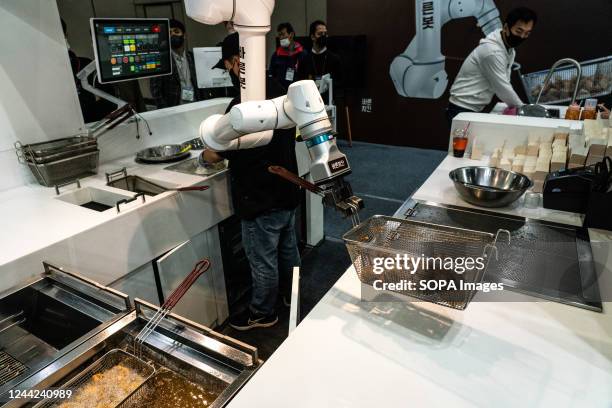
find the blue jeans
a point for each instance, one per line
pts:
(271, 247)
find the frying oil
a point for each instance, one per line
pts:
(173, 390)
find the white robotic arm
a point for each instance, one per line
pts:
(301, 107)
(419, 71)
(245, 125)
(250, 123)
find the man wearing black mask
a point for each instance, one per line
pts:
(181, 86)
(321, 61)
(486, 71)
(266, 205)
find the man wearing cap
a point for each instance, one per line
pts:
(266, 205)
(181, 86)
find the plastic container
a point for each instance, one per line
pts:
(460, 142)
(573, 112)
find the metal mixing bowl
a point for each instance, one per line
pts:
(163, 154)
(489, 186)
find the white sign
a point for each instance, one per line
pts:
(208, 77)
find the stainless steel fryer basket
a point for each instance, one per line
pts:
(109, 360)
(69, 169)
(135, 399)
(384, 237)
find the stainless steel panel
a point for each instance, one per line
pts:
(177, 344)
(46, 317)
(547, 260)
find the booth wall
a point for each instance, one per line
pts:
(565, 29)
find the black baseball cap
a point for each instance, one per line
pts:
(229, 47)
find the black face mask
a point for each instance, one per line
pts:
(177, 41)
(513, 40)
(322, 41)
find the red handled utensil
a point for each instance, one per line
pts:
(176, 295)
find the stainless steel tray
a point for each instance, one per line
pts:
(544, 259)
(387, 237)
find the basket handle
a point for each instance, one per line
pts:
(493, 246)
(552, 70)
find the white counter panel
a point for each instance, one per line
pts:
(505, 350)
(105, 245)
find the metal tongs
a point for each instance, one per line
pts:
(201, 267)
(340, 197)
(112, 120)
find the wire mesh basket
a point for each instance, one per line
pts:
(596, 81)
(88, 392)
(68, 169)
(382, 237)
(167, 388)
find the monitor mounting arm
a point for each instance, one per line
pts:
(82, 76)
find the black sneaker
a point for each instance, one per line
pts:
(248, 320)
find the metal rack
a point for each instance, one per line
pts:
(60, 160)
(596, 81)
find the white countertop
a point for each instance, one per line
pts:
(517, 352)
(439, 188)
(34, 219)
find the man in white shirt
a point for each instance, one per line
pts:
(486, 71)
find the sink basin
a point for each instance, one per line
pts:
(137, 184)
(191, 167)
(93, 198)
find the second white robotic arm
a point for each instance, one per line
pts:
(419, 72)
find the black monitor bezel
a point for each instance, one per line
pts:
(94, 20)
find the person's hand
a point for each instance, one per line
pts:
(604, 112)
(209, 156)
